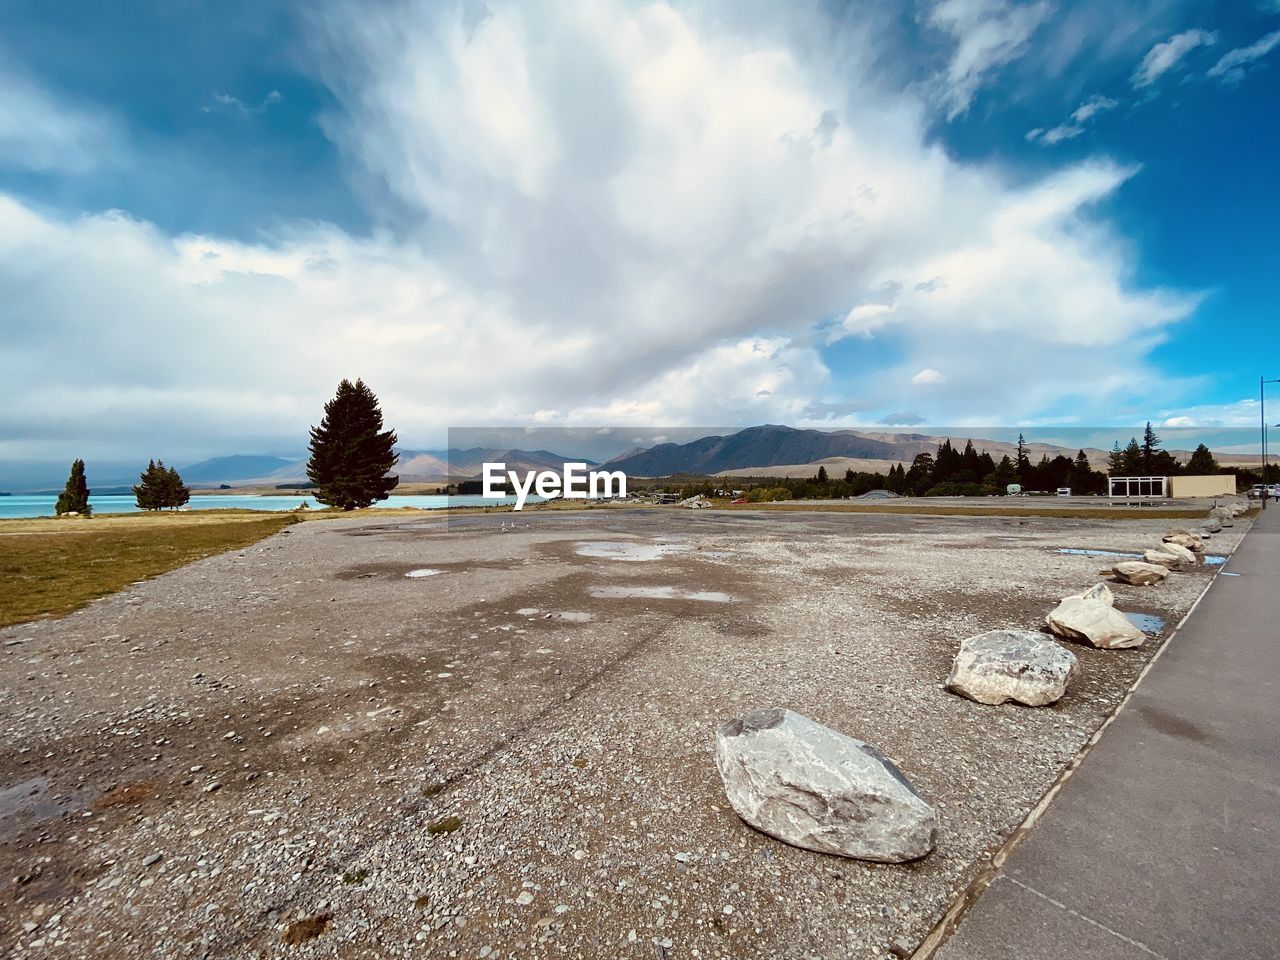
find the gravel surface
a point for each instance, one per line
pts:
(300, 750)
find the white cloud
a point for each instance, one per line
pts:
(1167, 54)
(602, 213)
(1241, 414)
(1092, 107)
(988, 35)
(1076, 125)
(1235, 63)
(928, 375)
(42, 132)
(226, 103)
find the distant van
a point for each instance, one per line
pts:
(1064, 491)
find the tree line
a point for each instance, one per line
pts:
(950, 473)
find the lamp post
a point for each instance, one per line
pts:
(1262, 419)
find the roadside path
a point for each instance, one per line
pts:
(1165, 843)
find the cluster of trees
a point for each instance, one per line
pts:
(160, 488)
(947, 473)
(1147, 459)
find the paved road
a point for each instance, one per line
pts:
(1166, 842)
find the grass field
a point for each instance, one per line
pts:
(51, 567)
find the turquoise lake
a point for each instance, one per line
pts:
(42, 506)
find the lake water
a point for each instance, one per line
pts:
(42, 506)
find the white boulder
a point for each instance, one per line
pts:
(1212, 525)
(1225, 515)
(1166, 558)
(1139, 573)
(1185, 538)
(812, 787)
(1091, 618)
(1016, 665)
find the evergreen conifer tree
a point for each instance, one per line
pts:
(149, 491)
(176, 493)
(75, 497)
(1022, 463)
(1150, 444)
(1202, 462)
(1115, 460)
(350, 452)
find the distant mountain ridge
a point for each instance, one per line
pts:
(767, 445)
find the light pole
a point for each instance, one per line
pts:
(1262, 419)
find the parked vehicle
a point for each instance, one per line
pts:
(1064, 491)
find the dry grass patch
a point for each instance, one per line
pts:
(49, 568)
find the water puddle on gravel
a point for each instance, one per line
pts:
(623, 550)
(1098, 553)
(424, 572)
(1210, 560)
(660, 593)
(1146, 622)
(25, 801)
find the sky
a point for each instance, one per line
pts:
(976, 213)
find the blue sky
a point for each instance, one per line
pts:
(965, 212)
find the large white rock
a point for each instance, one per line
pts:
(812, 787)
(1164, 558)
(1090, 618)
(1016, 665)
(1212, 525)
(1139, 573)
(1185, 538)
(1225, 516)
(1185, 555)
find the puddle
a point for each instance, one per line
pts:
(573, 616)
(623, 550)
(1209, 560)
(660, 593)
(1098, 553)
(25, 801)
(1146, 622)
(424, 572)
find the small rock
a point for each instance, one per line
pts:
(151, 859)
(524, 898)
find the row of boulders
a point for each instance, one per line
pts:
(815, 788)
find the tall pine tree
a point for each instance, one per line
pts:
(350, 452)
(149, 490)
(1202, 462)
(75, 497)
(1022, 463)
(176, 493)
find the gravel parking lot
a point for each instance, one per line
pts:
(300, 750)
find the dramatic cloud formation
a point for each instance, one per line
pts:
(1234, 63)
(596, 213)
(1166, 55)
